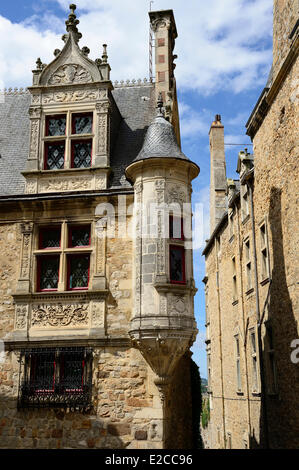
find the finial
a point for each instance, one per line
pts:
(104, 56)
(39, 64)
(85, 51)
(160, 111)
(72, 22)
(218, 118)
(56, 52)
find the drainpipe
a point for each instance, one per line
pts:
(259, 323)
(244, 330)
(220, 342)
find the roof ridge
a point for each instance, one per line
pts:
(133, 82)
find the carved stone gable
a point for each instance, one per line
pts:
(70, 73)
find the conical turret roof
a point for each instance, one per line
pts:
(160, 140)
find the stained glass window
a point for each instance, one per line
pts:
(48, 272)
(79, 236)
(82, 123)
(81, 154)
(55, 155)
(49, 237)
(78, 272)
(56, 125)
(177, 264)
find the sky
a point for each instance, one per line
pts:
(224, 50)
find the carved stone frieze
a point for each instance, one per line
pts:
(68, 96)
(59, 315)
(65, 184)
(177, 195)
(70, 73)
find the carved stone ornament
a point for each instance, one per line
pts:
(35, 112)
(175, 194)
(178, 304)
(70, 73)
(27, 227)
(21, 317)
(59, 315)
(161, 23)
(66, 184)
(103, 107)
(68, 96)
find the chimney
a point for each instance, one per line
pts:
(164, 28)
(218, 173)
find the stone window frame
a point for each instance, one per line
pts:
(68, 138)
(264, 251)
(239, 387)
(234, 281)
(248, 264)
(231, 225)
(177, 243)
(254, 367)
(64, 251)
(244, 203)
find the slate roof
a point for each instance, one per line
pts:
(160, 141)
(137, 108)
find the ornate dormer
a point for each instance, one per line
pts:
(70, 119)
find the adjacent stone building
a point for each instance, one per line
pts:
(251, 281)
(96, 321)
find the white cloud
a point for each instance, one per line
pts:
(219, 43)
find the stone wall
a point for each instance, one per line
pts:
(276, 197)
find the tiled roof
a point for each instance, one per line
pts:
(136, 105)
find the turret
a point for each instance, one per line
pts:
(163, 325)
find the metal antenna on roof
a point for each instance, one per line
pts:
(151, 39)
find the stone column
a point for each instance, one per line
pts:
(24, 278)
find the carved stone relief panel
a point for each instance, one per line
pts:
(98, 314)
(21, 317)
(70, 96)
(176, 195)
(65, 183)
(26, 229)
(59, 315)
(160, 198)
(31, 186)
(70, 73)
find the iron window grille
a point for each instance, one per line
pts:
(55, 377)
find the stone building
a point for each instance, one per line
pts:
(252, 264)
(96, 323)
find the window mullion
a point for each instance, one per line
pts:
(62, 267)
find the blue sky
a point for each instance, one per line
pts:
(224, 50)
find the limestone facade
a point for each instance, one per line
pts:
(251, 270)
(94, 340)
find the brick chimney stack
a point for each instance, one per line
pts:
(218, 173)
(164, 28)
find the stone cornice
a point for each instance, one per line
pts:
(268, 94)
(15, 344)
(60, 296)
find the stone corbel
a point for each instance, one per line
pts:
(24, 278)
(102, 134)
(35, 119)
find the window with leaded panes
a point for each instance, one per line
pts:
(79, 235)
(68, 141)
(48, 273)
(70, 246)
(78, 271)
(177, 264)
